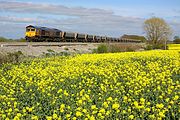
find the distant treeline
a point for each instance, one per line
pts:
(3, 39)
(176, 40)
(135, 37)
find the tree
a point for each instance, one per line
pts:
(176, 40)
(157, 31)
(176, 37)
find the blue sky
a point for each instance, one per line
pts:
(101, 17)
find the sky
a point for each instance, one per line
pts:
(100, 17)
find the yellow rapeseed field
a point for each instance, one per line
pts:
(174, 46)
(132, 85)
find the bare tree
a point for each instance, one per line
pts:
(157, 30)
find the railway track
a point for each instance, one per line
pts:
(37, 44)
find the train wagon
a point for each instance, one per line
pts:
(81, 37)
(90, 38)
(69, 36)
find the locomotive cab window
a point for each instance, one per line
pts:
(32, 29)
(28, 30)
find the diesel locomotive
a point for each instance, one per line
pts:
(44, 34)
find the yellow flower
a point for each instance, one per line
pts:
(108, 113)
(80, 101)
(115, 106)
(102, 110)
(125, 98)
(148, 103)
(16, 118)
(34, 117)
(10, 110)
(109, 99)
(78, 114)
(142, 100)
(24, 110)
(62, 106)
(66, 93)
(160, 106)
(99, 114)
(131, 117)
(30, 109)
(55, 116)
(61, 110)
(84, 111)
(152, 116)
(161, 114)
(68, 115)
(136, 104)
(48, 117)
(93, 107)
(176, 97)
(74, 118)
(18, 114)
(105, 104)
(59, 91)
(171, 102)
(148, 109)
(167, 99)
(124, 112)
(92, 118)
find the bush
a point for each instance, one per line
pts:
(160, 46)
(157, 46)
(21, 40)
(129, 49)
(14, 57)
(176, 41)
(114, 48)
(51, 51)
(149, 47)
(102, 49)
(66, 48)
(2, 39)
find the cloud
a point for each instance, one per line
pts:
(50, 9)
(75, 19)
(18, 20)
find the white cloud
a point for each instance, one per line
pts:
(26, 7)
(76, 19)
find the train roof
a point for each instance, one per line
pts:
(43, 28)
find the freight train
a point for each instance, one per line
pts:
(44, 34)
